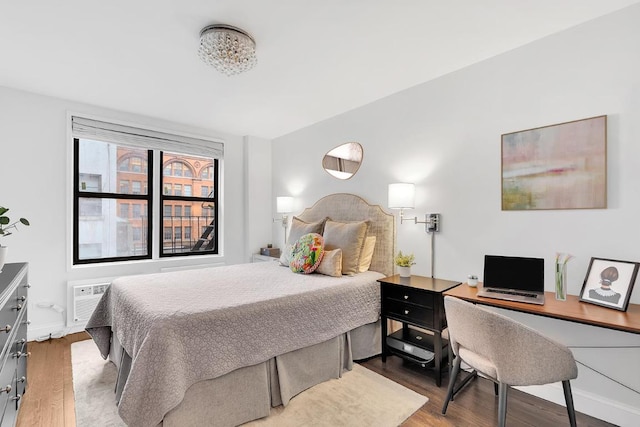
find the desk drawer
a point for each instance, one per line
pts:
(414, 296)
(413, 313)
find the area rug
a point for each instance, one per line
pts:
(360, 398)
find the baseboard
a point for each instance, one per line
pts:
(589, 403)
(53, 330)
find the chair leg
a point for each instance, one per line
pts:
(452, 382)
(503, 389)
(568, 397)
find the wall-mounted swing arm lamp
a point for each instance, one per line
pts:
(284, 206)
(402, 196)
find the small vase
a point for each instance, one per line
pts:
(3, 256)
(561, 282)
(404, 271)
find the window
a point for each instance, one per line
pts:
(109, 235)
(132, 163)
(197, 212)
(115, 205)
(178, 168)
(124, 210)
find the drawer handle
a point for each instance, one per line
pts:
(22, 341)
(27, 322)
(6, 328)
(19, 354)
(21, 380)
(17, 397)
(406, 312)
(22, 299)
(28, 285)
(406, 297)
(7, 389)
(17, 307)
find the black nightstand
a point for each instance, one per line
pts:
(416, 301)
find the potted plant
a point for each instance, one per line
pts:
(6, 229)
(404, 263)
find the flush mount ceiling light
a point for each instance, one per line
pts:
(228, 49)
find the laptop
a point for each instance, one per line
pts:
(513, 279)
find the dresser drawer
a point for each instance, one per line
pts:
(410, 295)
(8, 317)
(7, 375)
(419, 315)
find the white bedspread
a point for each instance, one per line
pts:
(187, 326)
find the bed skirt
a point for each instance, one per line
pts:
(248, 393)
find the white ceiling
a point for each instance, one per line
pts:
(316, 58)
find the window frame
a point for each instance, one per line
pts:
(215, 189)
(77, 195)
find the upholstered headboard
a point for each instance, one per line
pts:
(349, 207)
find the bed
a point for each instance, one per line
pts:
(221, 346)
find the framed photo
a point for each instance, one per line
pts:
(562, 166)
(609, 283)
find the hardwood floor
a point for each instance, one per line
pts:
(49, 397)
(48, 401)
(476, 405)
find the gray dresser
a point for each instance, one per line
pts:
(13, 340)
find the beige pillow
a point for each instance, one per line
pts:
(331, 264)
(299, 228)
(349, 237)
(367, 253)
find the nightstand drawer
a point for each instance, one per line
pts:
(421, 316)
(413, 296)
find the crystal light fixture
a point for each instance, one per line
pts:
(228, 49)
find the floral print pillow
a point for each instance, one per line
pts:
(307, 253)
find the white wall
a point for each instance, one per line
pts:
(258, 198)
(444, 136)
(34, 183)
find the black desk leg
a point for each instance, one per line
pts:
(437, 351)
(383, 324)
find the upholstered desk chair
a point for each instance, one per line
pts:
(506, 351)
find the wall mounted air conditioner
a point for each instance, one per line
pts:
(84, 299)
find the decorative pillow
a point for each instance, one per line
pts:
(367, 253)
(299, 228)
(307, 253)
(285, 256)
(349, 237)
(331, 264)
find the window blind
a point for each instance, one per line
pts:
(144, 138)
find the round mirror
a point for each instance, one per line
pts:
(343, 161)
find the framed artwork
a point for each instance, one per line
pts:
(561, 166)
(609, 283)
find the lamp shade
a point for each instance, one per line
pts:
(401, 195)
(284, 204)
